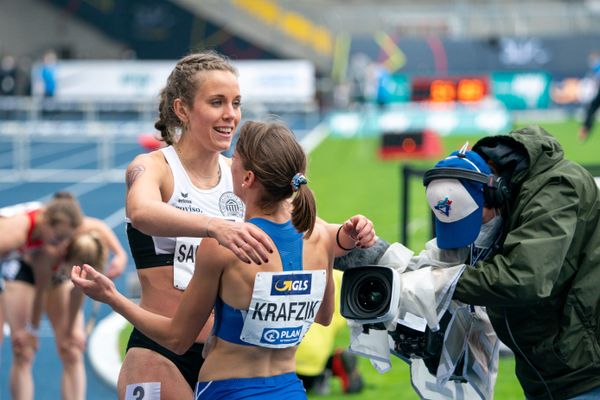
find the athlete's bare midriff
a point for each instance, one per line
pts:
(230, 360)
(160, 297)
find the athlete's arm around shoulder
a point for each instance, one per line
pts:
(146, 177)
(324, 243)
(356, 231)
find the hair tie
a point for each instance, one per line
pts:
(298, 180)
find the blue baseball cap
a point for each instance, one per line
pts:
(457, 203)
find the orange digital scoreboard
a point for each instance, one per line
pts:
(466, 89)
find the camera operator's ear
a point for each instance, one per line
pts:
(496, 195)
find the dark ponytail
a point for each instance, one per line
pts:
(304, 213)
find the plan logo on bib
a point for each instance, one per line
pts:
(281, 335)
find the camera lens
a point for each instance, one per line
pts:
(370, 294)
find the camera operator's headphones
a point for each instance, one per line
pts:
(495, 191)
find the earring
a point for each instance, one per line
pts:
(243, 185)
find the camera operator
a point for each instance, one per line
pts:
(468, 228)
(402, 304)
(539, 283)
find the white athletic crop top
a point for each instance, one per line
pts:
(219, 201)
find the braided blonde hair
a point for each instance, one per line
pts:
(182, 84)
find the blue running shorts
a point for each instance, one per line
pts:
(280, 387)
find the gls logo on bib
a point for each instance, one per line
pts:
(283, 285)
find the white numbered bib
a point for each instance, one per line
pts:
(143, 391)
(184, 261)
(9, 268)
(283, 307)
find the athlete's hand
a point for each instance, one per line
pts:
(361, 229)
(245, 240)
(93, 283)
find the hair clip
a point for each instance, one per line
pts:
(298, 180)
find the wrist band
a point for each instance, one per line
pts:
(337, 239)
(29, 328)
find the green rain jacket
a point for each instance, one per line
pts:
(542, 287)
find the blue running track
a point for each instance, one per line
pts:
(101, 200)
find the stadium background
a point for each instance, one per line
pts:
(362, 73)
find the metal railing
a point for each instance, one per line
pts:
(54, 140)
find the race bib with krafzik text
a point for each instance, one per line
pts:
(283, 307)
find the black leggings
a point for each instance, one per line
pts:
(17, 270)
(21, 271)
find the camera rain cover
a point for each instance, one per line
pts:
(468, 365)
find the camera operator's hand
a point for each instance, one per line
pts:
(358, 231)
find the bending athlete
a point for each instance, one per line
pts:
(30, 243)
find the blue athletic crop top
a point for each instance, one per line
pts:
(228, 320)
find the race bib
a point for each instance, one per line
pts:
(283, 307)
(10, 268)
(143, 391)
(184, 261)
